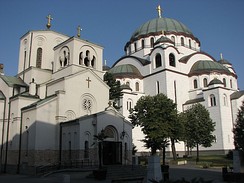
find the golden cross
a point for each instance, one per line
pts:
(159, 11)
(49, 18)
(88, 82)
(78, 31)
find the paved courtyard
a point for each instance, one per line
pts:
(176, 172)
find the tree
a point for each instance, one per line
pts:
(198, 127)
(115, 89)
(100, 138)
(239, 129)
(156, 115)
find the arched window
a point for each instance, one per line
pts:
(142, 43)
(86, 149)
(157, 87)
(171, 59)
(81, 58)
(127, 83)
(152, 42)
(135, 46)
(129, 104)
(224, 82)
(39, 57)
(182, 41)
(173, 39)
(195, 84)
(225, 100)
(231, 83)
(205, 82)
(158, 60)
(189, 43)
(111, 133)
(212, 100)
(93, 61)
(137, 86)
(87, 59)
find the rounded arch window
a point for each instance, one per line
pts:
(111, 133)
(152, 42)
(205, 82)
(142, 43)
(195, 85)
(171, 59)
(137, 86)
(182, 41)
(212, 100)
(224, 82)
(173, 39)
(39, 57)
(158, 60)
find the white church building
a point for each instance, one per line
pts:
(163, 56)
(51, 110)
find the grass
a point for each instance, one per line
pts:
(207, 161)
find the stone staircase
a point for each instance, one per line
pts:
(123, 172)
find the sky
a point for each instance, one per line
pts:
(218, 24)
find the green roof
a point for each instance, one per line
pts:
(159, 25)
(224, 61)
(11, 80)
(126, 70)
(237, 95)
(163, 39)
(207, 66)
(193, 101)
(215, 81)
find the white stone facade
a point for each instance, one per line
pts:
(56, 103)
(168, 59)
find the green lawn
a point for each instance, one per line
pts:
(207, 161)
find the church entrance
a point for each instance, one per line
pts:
(112, 153)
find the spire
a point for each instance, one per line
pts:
(49, 18)
(79, 29)
(159, 11)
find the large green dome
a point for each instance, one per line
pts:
(158, 25)
(206, 67)
(126, 70)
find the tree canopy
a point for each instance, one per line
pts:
(239, 129)
(115, 89)
(198, 127)
(156, 115)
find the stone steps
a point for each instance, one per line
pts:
(125, 172)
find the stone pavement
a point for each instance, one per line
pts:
(175, 172)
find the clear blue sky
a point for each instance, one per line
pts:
(218, 24)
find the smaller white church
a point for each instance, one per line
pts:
(51, 110)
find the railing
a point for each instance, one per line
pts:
(76, 164)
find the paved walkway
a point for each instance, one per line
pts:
(175, 172)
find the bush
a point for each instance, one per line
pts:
(230, 155)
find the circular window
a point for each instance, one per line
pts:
(87, 104)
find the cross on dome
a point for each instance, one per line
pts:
(159, 11)
(49, 18)
(79, 29)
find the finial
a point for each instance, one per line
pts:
(159, 11)
(78, 31)
(49, 18)
(221, 56)
(105, 62)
